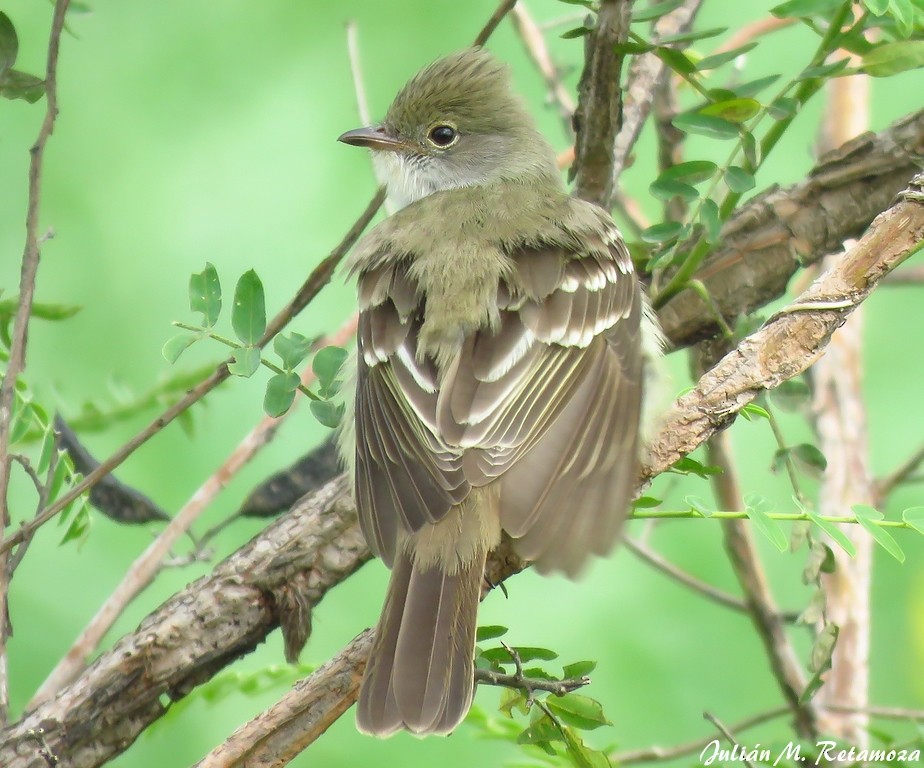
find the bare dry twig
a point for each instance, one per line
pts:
(17, 359)
(533, 40)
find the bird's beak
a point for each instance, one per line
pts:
(372, 137)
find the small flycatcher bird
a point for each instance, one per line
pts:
(498, 382)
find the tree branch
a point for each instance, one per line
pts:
(598, 117)
(775, 234)
(17, 358)
(282, 574)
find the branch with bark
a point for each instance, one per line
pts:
(279, 577)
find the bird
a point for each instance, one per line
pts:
(498, 377)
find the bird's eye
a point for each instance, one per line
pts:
(443, 136)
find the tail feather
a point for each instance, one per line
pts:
(420, 675)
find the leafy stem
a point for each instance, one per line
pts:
(235, 345)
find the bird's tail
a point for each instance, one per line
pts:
(420, 674)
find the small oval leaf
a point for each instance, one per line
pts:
(248, 316)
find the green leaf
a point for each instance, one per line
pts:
(489, 632)
(903, 14)
(710, 218)
(706, 125)
(9, 43)
(877, 7)
(738, 180)
(177, 345)
(783, 108)
(632, 48)
(64, 468)
(866, 516)
(205, 294)
(248, 316)
(571, 34)
(806, 8)
(526, 654)
(542, 731)
(511, 699)
(753, 87)
(280, 392)
(676, 60)
(49, 441)
(79, 527)
(718, 59)
(820, 662)
(326, 366)
(656, 11)
(578, 711)
(698, 505)
(751, 149)
(690, 466)
(834, 532)
(578, 669)
(646, 502)
(292, 348)
(327, 412)
(734, 110)
(809, 459)
(662, 233)
(582, 756)
(689, 37)
(15, 84)
(914, 516)
(246, 362)
(756, 509)
(691, 172)
(823, 70)
(753, 411)
(667, 189)
(891, 58)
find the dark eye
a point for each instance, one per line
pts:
(443, 135)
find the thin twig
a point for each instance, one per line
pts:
(311, 287)
(889, 483)
(496, 18)
(659, 754)
(538, 51)
(749, 32)
(359, 88)
(17, 358)
(529, 684)
(730, 736)
(667, 567)
(146, 567)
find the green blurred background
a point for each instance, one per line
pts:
(193, 131)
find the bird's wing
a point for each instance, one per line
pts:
(549, 399)
(550, 402)
(405, 475)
